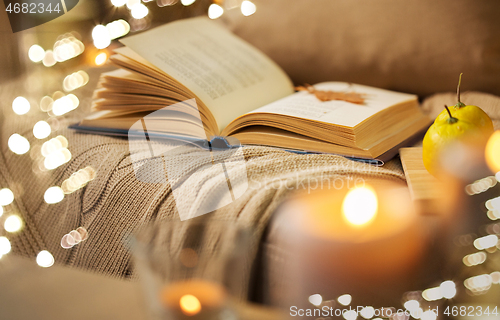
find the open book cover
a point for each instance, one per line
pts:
(239, 92)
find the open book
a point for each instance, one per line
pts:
(241, 93)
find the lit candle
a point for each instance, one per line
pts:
(366, 240)
(194, 299)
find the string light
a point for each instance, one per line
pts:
(46, 104)
(55, 152)
(5, 246)
(215, 11)
(345, 299)
(132, 3)
(448, 289)
(41, 130)
(474, 259)
(36, 53)
(118, 28)
(478, 284)
(78, 180)
(101, 58)
(74, 237)
(45, 259)
(187, 2)
(248, 8)
(139, 11)
(67, 48)
(367, 312)
(48, 59)
(486, 242)
(164, 3)
(432, 294)
(118, 3)
(101, 37)
(6, 197)
(316, 299)
(13, 223)
(75, 80)
(21, 105)
(53, 195)
(65, 104)
(18, 144)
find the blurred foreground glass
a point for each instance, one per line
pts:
(192, 270)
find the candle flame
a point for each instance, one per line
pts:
(360, 206)
(190, 305)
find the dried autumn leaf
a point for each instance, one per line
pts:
(322, 95)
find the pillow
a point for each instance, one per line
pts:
(411, 46)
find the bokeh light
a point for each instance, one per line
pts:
(215, 11)
(118, 3)
(315, 299)
(75, 80)
(474, 259)
(367, 312)
(36, 53)
(5, 246)
(139, 11)
(350, 315)
(13, 223)
(428, 315)
(48, 59)
(53, 195)
(132, 3)
(432, 294)
(360, 206)
(448, 289)
(21, 105)
(118, 28)
(248, 8)
(78, 180)
(486, 242)
(6, 197)
(101, 36)
(18, 144)
(46, 104)
(492, 152)
(345, 299)
(187, 2)
(55, 152)
(45, 259)
(101, 58)
(479, 284)
(65, 104)
(164, 3)
(41, 130)
(67, 48)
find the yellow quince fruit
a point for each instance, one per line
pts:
(470, 113)
(445, 131)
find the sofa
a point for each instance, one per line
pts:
(415, 47)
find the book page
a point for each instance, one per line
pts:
(342, 113)
(229, 75)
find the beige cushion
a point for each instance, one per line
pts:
(411, 46)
